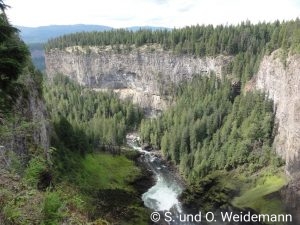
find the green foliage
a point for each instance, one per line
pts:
(86, 119)
(119, 204)
(105, 171)
(34, 170)
(209, 129)
(13, 58)
(212, 192)
(52, 208)
(261, 192)
(256, 196)
(12, 214)
(20, 207)
(104, 182)
(15, 162)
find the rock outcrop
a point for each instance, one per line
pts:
(39, 116)
(281, 82)
(28, 133)
(280, 79)
(32, 108)
(145, 74)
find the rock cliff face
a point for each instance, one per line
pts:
(38, 114)
(28, 132)
(32, 107)
(144, 74)
(282, 84)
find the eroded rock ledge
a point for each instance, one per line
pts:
(146, 74)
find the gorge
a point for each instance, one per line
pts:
(147, 78)
(149, 125)
(149, 74)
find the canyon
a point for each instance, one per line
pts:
(148, 74)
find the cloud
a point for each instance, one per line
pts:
(167, 13)
(159, 2)
(186, 8)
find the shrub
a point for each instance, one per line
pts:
(36, 167)
(52, 208)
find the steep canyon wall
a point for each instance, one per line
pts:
(280, 79)
(145, 74)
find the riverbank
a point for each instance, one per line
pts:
(111, 185)
(235, 190)
(174, 170)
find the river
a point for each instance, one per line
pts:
(162, 198)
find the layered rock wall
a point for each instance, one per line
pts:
(280, 79)
(145, 74)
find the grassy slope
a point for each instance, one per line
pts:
(257, 195)
(113, 197)
(107, 171)
(103, 193)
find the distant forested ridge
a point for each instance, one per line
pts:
(199, 40)
(42, 34)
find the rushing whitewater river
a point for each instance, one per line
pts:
(162, 198)
(163, 195)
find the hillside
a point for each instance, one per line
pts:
(44, 33)
(53, 169)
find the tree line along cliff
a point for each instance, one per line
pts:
(246, 41)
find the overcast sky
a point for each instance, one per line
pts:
(166, 13)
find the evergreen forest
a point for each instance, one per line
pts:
(247, 42)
